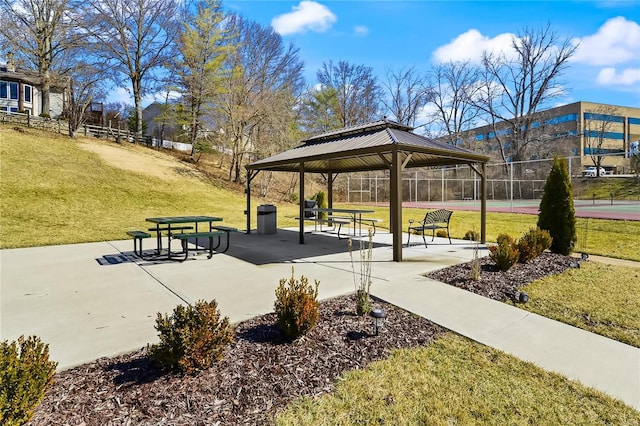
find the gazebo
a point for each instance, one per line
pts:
(379, 145)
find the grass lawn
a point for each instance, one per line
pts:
(599, 298)
(457, 381)
(55, 192)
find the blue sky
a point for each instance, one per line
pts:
(395, 34)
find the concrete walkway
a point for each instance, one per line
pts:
(96, 300)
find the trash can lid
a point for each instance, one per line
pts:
(267, 208)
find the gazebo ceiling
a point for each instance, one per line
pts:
(364, 148)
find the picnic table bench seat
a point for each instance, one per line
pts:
(185, 236)
(366, 220)
(138, 236)
(433, 220)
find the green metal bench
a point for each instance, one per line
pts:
(433, 220)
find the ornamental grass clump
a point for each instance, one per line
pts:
(25, 375)
(505, 254)
(533, 244)
(192, 338)
(362, 279)
(296, 305)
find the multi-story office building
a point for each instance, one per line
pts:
(592, 132)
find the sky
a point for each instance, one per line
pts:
(393, 35)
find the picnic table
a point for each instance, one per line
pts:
(342, 216)
(184, 229)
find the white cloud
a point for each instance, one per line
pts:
(308, 15)
(361, 30)
(617, 41)
(470, 46)
(120, 95)
(627, 77)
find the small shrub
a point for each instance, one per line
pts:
(296, 306)
(442, 233)
(471, 236)
(533, 244)
(45, 115)
(192, 338)
(362, 280)
(25, 375)
(505, 254)
(475, 264)
(321, 203)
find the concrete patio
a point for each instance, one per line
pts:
(96, 300)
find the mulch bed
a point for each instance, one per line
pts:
(261, 372)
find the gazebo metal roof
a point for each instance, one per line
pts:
(379, 145)
(364, 148)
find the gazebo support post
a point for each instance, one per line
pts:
(395, 214)
(301, 210)
(248, 211)
(330, 190)
(483, 203)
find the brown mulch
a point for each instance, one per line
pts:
(261, 372)
(499, 285)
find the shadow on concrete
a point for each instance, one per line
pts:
(284, 246)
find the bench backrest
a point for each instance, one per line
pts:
(438, 216)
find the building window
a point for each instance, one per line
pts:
(27, 93)
(594, 134)
(603, 117)
(13, 91)
(562, 119)
(3, 109)
(3, 90)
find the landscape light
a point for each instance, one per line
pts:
(378, 316)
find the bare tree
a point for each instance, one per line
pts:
(408, 93)
(517, 84)
(598, 128)
(38, 32)
(357, 91)
(257, 106)
(135, 37)
(84, 87)
(455, 86)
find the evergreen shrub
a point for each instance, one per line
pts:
(533, 243)
(442, 233)
(296, 306)
(192, 338)
(25, 375)
(505, 254)
(557, 214)
(471, 235)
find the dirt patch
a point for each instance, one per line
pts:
(141, 160)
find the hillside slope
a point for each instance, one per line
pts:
(56, 190)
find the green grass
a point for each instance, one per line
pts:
(55, 192)
(456, 381)
(596, 297)
(602, 188)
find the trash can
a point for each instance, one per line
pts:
(267, 219)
